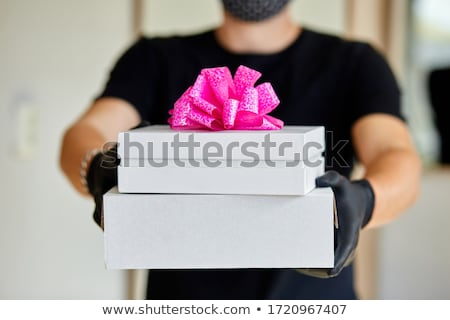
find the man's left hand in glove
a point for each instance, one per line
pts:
(354, 204)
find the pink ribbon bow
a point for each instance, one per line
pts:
(217, 101)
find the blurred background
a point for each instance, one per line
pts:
(55, 58)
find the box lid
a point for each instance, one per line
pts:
(162, 142)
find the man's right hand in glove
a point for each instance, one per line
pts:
(102, 175)
(90, 173)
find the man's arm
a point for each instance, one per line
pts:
(100, 124)
(393, 168)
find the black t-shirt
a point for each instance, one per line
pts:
(320, 80)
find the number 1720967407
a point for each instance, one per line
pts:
(306, 309)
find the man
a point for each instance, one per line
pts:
(320, 79)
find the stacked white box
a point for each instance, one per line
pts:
(186, 199)
(157, 159)
(171, 231)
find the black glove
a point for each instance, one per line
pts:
(355, 201)
(102, 175)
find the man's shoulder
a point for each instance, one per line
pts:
(330, 40)
(340, 51)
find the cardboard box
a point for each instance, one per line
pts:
(168, 231)
(157, 159)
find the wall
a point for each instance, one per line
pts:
(429, 48)
(55, 57)
(160, 17)
(414, 250)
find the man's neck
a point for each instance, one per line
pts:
(269, 36)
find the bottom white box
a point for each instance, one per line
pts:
(174, 231)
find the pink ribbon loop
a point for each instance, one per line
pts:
(243, 78)
(217, 101)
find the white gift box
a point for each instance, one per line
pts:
(157, 159)
(168, 231)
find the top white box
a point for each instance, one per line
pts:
(162, 142)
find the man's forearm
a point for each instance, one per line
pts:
(395, 178)
(78, 141)
(100, 124)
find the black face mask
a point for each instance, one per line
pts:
(254, 10)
